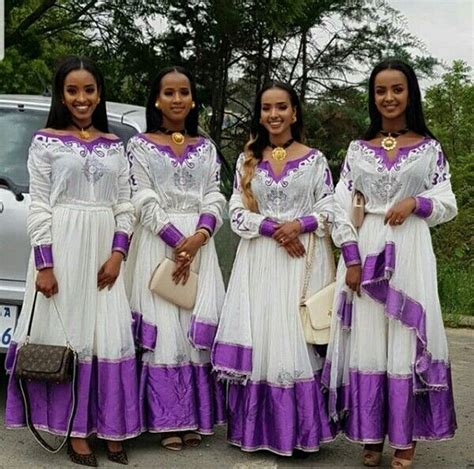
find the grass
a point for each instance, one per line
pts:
(456, 290)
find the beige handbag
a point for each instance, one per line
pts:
(358, 209)
(161, 283)
(316, 311)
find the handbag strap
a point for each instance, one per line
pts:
(30, 324)
(308, 266)
(26, 401)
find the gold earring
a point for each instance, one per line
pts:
(98, 100)
(193, 105)
(157, 105)
(293, 120)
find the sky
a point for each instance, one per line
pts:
(445, 26)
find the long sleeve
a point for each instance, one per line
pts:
(244, 222)
(344, 234)
(437, 203)
(40, 213)
(322, 213)
(124, 211)
(213, 203)
(147, 205)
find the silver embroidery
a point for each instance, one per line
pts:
(93, 170)
(386, 186)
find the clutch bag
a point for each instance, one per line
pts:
(161, 283)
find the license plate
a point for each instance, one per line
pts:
(8, 316)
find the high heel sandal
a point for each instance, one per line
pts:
(82, 459)
(398, 463)
(119, 457)
(371, 458)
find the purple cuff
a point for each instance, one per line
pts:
(171, 235)
(308, 224)
(120, 242)
(208, 222)
(350, 253)
(423, 207)
(44, 256)
(267, 227)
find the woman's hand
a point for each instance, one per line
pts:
(190, 246)
(109, 272)
(287, 232)
(400, 211)
(294, 248)
(353, 278)
(46, 283)
(182, 271)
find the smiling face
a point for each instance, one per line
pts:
(276, 112)
(391, 96)
(175, 99)
(81, 96)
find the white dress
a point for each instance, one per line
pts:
(174, 196)
(80, 211)
(274, 399)
(387, 365)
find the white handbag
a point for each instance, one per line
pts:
(358, 209)
(316, 311)
(162, 284)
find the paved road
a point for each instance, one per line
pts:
(18, 450)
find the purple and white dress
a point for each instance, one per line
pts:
(274, 399)
(387, 365)
(80, 212)
(173, 197)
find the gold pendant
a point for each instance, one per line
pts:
(177, 138)
(84, 134)
(279, 153)
(389, 143)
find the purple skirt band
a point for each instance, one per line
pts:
(277, 418)
(201, 334)
(232, 358)
(107, 401)
(144, 333)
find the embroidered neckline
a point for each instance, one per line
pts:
(190, 147)
(265, 165)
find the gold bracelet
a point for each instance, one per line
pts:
(205, 233)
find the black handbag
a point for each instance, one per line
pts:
(50, 364)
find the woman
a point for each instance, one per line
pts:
(388, 367)
(283, 192)
(175, 183)
(79, 223)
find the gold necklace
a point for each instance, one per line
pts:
(389, 142)
(279, 152)
(83, 133)
(177, 136)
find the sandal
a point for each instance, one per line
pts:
(403, 462)
(371, 458)
(173, 443)
(192, 439)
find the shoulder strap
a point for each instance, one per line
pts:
(308, 266)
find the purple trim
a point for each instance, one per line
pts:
(43, 256)
(379, 404)
(201, 334)
(344, 311)
(232, 358)
(267, 227)
(171, 235)
(381, 154)
(308, 223)
(289, 165)
(120, 242)
(144, 333)
(278, 419)
(169, 151)
(89, 144)
(207, 221)
(176, 398)
(376, 274)
(350, 253)
(107, 402)
(423, 207)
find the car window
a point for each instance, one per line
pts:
(123, 131)
(16, 128)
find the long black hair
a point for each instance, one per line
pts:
(259, 134)
(154, 116)
(414, 111)
(59, 116)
